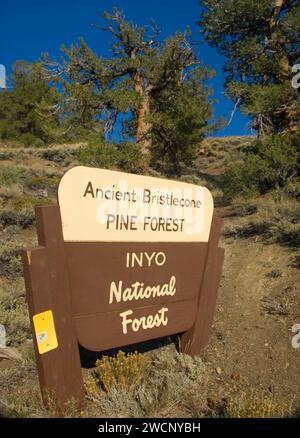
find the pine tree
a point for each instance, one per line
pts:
(260, 40)
(22, 105)
(155, 89)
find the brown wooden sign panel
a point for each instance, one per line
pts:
(99, 332)
(107, 294)
(133, 283)
(118, 275)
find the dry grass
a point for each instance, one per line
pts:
(276, 221)
(214, 145)
(255, 405)
(14, 312)
(62, 154)
(10, 259)
(21, 189)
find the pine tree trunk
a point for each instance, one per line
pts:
(277, 6)
(292, 117)
(292, 113)
(143, 134)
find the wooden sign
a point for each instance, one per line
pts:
(122, 259)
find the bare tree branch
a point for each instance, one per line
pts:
(234, 110)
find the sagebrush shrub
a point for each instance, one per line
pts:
(256, 406)
(11, 174)
(10, 259)
(14, 313)
(124, 370)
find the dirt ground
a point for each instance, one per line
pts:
(258, 303)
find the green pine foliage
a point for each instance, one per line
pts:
(120, 156)
(269, 164)
(21, 108)
(180, 121)
(260, 40)
(150, 91)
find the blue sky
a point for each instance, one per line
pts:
(31, 27)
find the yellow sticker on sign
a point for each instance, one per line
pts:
(45, 331)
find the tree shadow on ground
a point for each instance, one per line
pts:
(296, 412)
(296, 264)
(262, 230)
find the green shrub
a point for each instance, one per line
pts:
(24, 202)
(98, 153)
(23, 219)
(38, 143)
(130, 158)
(60, 156)
(6, 155)
(14, 315)
(267, 165)
(41, 181)
(19, 210)
(11, 175)
(10, 259)
(30, 140)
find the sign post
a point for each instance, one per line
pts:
(121, 259)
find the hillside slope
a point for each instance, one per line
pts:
(249, 368)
